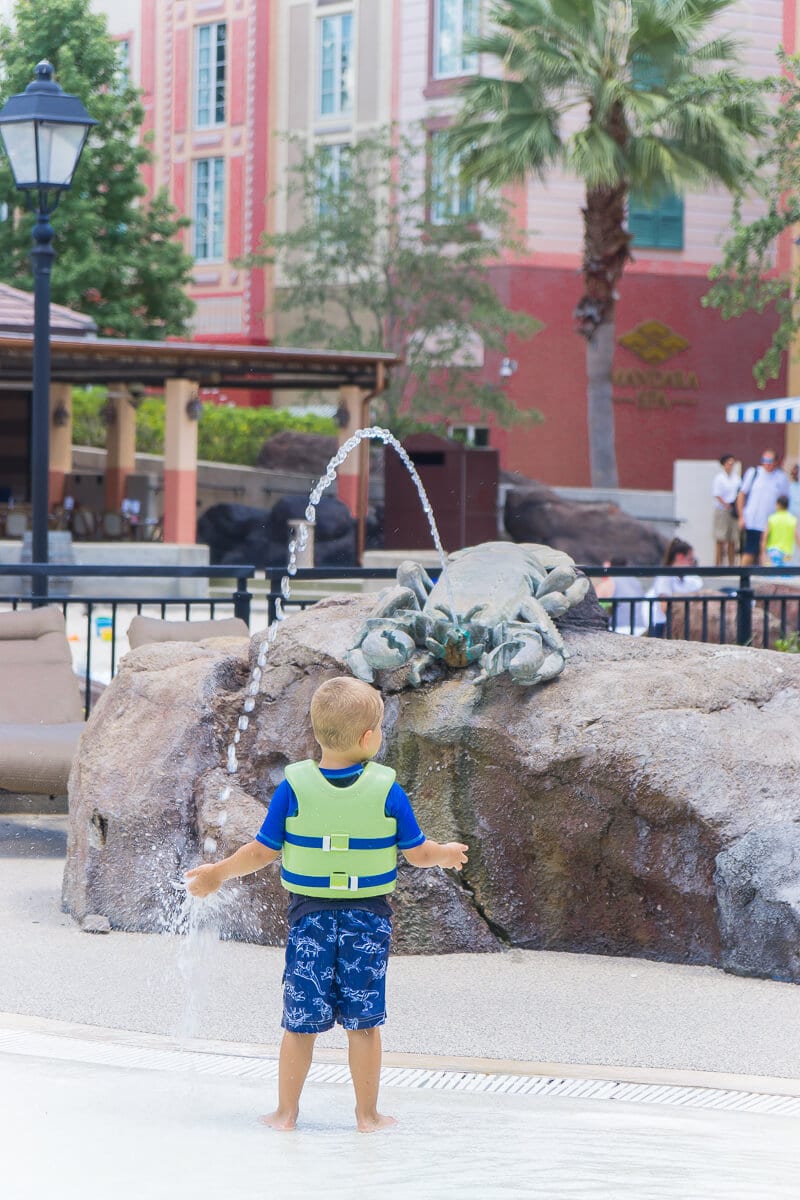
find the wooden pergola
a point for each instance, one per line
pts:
(183, 369)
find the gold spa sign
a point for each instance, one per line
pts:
(653, 386)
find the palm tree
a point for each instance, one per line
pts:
(664, 109)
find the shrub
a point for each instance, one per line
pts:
(88, 427)
(225, 434)
(235, 435)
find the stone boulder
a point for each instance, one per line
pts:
(758, 891)
(237, 534)
(590, 533)
(334, 531)
(604, 811)
(297, 453)
(226, 529)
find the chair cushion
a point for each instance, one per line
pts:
(39, 686)
(144, 630)
(36, 759)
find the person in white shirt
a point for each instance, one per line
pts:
(623, 597)
(725, 489)
(679, 554)
(756, 502)
(794, 491)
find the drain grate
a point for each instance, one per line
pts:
(112, 1054)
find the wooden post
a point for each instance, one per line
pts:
(180, 463)
(60, 440)
(120, 447)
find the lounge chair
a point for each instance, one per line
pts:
(143, 631)
(41, 713)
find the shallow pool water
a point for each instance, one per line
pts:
(73, 1129)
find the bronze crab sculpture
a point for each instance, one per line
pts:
(499, 611)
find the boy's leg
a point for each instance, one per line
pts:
(364, 1058)
(295, 1059)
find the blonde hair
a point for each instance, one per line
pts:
(342, 710)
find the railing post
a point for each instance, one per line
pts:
(271, 612)
(241, 599)
(744, 609)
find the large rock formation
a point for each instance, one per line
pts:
(301, 453)
(236, 533)
(645, 803)
(591, 533)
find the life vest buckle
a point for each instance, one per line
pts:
(342, 882)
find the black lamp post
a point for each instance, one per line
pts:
(43, 130)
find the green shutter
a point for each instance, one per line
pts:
(658, 225)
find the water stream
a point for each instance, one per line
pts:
(199, 920)
(298, 544)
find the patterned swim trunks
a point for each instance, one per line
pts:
(336, 971)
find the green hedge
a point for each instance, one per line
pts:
(228, 435)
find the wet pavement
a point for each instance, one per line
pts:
(495, 1067)
(132, 1133)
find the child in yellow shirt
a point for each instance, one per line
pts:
(780, 537)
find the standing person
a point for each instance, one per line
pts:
(780, 537)
(338, 825)
(794, 491)
(679, 554)
(757, 499)
(725, 489)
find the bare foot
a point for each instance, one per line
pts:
(283, 1122)
(374, 1122)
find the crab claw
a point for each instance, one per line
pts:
(522, 657)
(576, 591)
(359, 665)
(386, 649)
(557, 580)
(555, 604)
(415, 578)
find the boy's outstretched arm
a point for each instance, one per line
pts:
(209, 877)
(438, 854)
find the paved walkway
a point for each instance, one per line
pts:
(142, 1063)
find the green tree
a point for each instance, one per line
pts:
(747, 278)
(364, 267)
(622, 94)
(119, 258)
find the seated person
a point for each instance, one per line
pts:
(625, 616)
(679, 554)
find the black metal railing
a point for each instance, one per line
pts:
(737, 613)
(322, 575)
(735, 606)
(238, 603)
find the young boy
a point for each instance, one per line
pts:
(338, 827)
(780, 537)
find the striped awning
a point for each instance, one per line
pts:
(764, 412)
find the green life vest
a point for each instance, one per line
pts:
(341, 844)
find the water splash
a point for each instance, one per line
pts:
(197, 923)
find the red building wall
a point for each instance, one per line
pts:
(663, 410)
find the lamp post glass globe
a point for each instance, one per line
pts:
(43, 131)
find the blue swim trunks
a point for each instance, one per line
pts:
(336, 971)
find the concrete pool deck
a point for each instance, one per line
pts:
(100, 1052)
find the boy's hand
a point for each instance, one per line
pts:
(203, 880)
(454, 855)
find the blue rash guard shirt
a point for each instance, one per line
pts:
(284, 804)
